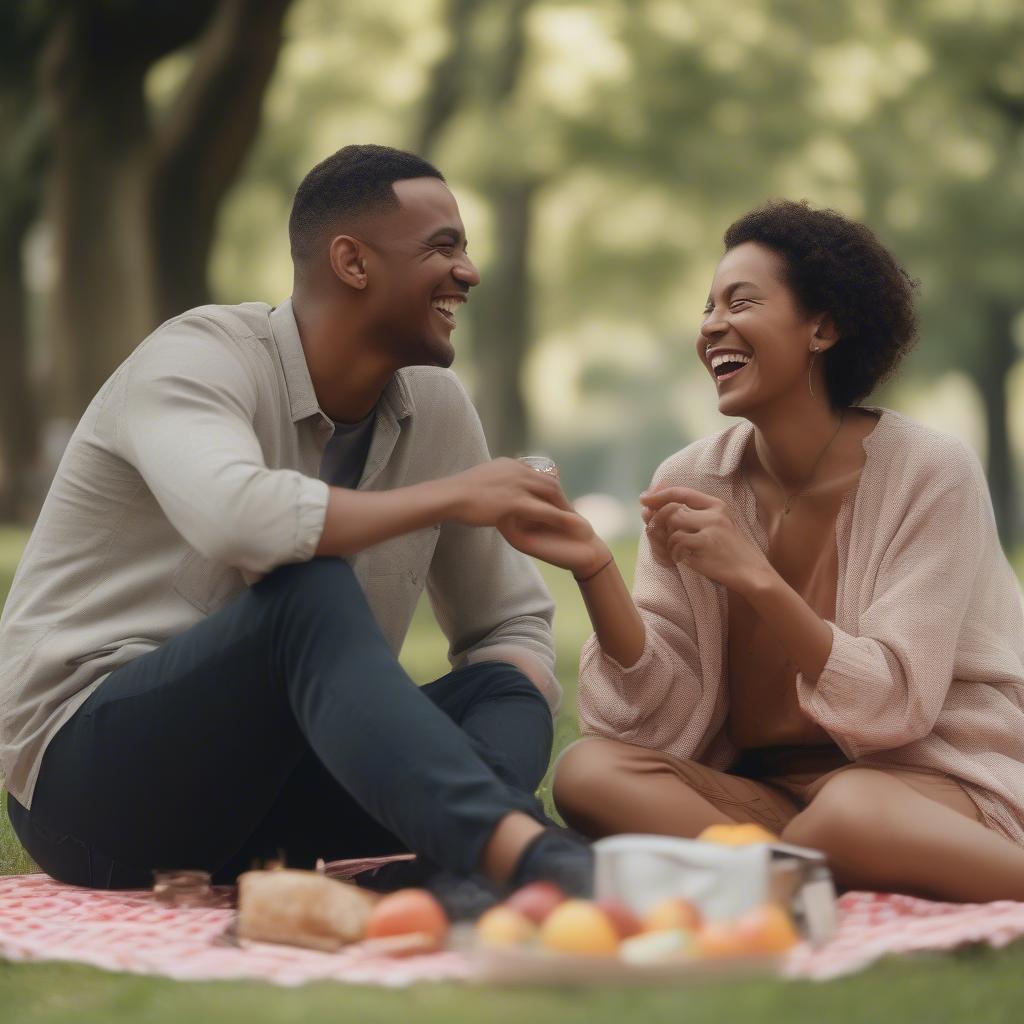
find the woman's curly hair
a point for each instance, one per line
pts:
(837, 266)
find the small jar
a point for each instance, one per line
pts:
(182, 888)
(541, 463)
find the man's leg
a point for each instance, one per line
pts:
(177, 757)
(505, 716)
(502, 713)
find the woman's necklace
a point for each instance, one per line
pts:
(790, 498)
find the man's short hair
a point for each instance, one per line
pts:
(351, 182)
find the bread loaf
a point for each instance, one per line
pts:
(301, 908)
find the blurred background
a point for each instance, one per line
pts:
(598, 150)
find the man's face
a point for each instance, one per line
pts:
(418, 272)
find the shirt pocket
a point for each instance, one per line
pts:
(405, 558)
(205, 584)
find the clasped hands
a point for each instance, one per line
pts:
(690, 527)
(531, 512)
(683, 526)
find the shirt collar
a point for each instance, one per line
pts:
(301, 394)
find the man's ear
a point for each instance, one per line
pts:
(825, 333)
(348, 261)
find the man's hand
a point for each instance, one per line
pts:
(493, 491)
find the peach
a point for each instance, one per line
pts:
(536, 900)
(580, 927)
(406, 912)
(626, 923)
(767, 929)
(504, 926)
(675, 912)
(722, 939)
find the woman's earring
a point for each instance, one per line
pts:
(814, 353)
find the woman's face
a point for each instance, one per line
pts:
(752, 315)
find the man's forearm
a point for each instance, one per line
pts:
(359, 519)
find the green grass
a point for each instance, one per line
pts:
(962, 988)
(974, 985)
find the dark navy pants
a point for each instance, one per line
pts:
(283, 725)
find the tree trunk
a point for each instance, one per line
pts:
(991, 373)
(446, 88)
(103, 302)
(200, 149)
(19, 423)
(502, 322)
(21, 169)
(134, 211)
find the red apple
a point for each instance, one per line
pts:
(626, 923)
(536, 900)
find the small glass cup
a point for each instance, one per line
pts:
(541, 463)
(182, 888)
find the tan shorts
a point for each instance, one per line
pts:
(774, 787)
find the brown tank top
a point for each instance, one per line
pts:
(763, 707)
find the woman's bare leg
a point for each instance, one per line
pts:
(881, 832)
(605, 787)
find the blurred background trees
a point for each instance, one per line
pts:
(598, 151)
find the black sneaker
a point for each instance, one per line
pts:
(463, 897)
(560, 856)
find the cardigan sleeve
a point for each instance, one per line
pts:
(885, 687)
(652, 702)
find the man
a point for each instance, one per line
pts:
(183, 684)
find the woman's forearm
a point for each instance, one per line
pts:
(619, 628)
(804, 635)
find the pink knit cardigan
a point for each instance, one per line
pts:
(927, 662)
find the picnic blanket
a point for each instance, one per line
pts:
(133, 932)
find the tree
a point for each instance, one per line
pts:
(502, 306)
(21, 168)
(943, 176)
(133, 197)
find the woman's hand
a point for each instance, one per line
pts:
(572, 544)
(687, 526)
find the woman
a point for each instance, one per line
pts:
(827, 638)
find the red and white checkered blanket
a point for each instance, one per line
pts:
(131, 931)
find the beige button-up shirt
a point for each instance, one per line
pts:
(194, 472)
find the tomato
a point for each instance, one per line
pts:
(405, 912)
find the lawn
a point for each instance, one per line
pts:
(975, 985)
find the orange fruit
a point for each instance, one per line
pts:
(581, 927)
(722, 939)
(672, 913)
(504, 926)
(737, 835)
(405, 912)
(767, 929)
